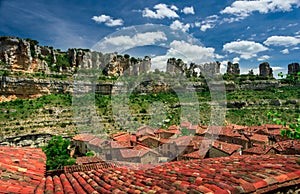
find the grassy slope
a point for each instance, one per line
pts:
(54, 113)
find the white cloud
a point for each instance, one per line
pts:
(121, 43)
(177, 25)
(242, 9)
(161, 11)
(246, 49)
(107, 20)
(264, 58)
(285, 51)
(188, 10)
(277, 68)
(295, 48)
(282, 41)
(208, 23)
(236, 60)
(193, 53)
(174, 7)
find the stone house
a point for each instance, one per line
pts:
(222, 149)
(80, 142)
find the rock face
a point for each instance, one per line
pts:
(265, 70)
(27, 56)
(293, 68)
(175, 66)
(210, 69)
(233, 68)
(15, 53)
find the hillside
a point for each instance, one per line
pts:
(37, 89)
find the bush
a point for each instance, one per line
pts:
(57, 153)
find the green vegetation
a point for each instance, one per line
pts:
(57, 153)
(293, 128)
(28, 113)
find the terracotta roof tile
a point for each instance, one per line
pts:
(88, 160)
(119, 144)
(84, 137)
(259, 138)
(226, 147)
(21, 169)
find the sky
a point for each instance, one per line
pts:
(247, 32)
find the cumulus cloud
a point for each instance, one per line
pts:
(236, 60)
(264, 58)
(188, 10)
(194, 53)
(282, 41)
(187, 52)
(177, 25)
(246, 49)
(161, 11)
(107, 20)
(121, 43)
(285, 51)
(243, 9)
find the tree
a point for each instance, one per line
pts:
(292, 130)
(57, 153)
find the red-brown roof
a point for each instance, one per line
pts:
(288, 144)
(88, 160)
(21, 169)
(239, 174)
(119, 144)
(257, 149)
(97, 141)
(195, 155)
(122, 137)
(84, 137)
(226, 147)
(130, 153)
(174, 127)
(144, 130)
(259, 138)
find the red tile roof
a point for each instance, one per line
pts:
(119, 144)
(21, 169)
(122, 137)
(257, 149)
(97, 141)
(174, 127)
(84, 137)
(259, 138)
(239, 174)
(148, 137)
(226, 147)
(288, 144)
(144, 130)
(195, 155)
(130, 153)
(88, 160)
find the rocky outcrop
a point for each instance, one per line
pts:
(176, 66)
(265, 70)
(233, 68)
(293, 68)
(210, 69)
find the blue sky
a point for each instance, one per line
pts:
(248, 32)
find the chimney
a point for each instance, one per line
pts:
(220, 146)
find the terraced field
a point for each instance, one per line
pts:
(55, 114)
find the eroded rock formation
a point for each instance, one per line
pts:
(265, 70)
(233, 68)
(293, 68)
